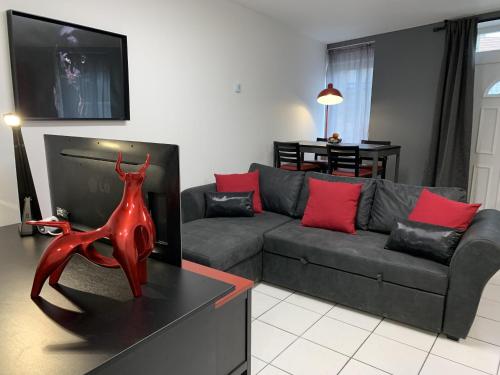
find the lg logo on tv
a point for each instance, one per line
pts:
(98, 186)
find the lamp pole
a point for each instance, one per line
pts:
(327, 97)
(326, 122)
(28, 201)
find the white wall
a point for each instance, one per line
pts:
(184, 59)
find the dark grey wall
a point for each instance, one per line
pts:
(405, 78)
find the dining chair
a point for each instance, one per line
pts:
(382, 167)
(319, 159)
(345, 161)
(289, 157)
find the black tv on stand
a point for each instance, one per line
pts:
(83, 182)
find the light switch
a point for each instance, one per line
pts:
(237, 88)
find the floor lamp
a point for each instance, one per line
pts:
(28, 202)
(327, 97)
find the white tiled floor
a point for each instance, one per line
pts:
(296, 334)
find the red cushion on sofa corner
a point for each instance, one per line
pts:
(240, 182)
(332, 205)
(434, 209)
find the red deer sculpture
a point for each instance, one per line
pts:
(130, 229)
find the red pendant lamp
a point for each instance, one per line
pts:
(327, 97)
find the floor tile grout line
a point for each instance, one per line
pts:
(489, 299)
(461, 364)
(359, 347)
(333, 350)
(296, 338)
(345, 355)
(295, 304)
(268, 364)
(371, 333)
(351, 324)
(267, 294)
(333, 304)
(404, 343)
(428, 354)
(486, 342)
(488, 318)
(276, 304)
(365, 363)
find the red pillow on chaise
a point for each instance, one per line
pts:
(239, 183)
(434, 209)
(332, 205)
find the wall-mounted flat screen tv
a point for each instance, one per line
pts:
(63, 71)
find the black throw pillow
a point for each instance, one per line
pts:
(424, 240)
(220, 204)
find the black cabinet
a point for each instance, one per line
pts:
(91, 323)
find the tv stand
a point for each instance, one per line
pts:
(190, 319)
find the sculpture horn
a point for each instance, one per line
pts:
(146, 164)
(118, 168)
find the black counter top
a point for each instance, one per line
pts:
(93, 316)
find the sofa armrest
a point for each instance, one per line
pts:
(475, 261)
(193, 202)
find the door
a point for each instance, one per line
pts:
(485, 149)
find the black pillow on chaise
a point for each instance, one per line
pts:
(219, 204)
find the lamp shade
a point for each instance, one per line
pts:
(330, 96)
(11, 119)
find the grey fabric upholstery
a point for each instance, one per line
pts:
(475, 261)
(412, 306)
(354, 270)
(250, 268)
(396, 201)
(279, 189)
(362, 254)
(365, 200)
(223, 242)
(193, 202)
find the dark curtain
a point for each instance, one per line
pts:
(451, 141)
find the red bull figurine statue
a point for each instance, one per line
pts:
(129, 228)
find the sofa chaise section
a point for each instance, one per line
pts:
(225, 243)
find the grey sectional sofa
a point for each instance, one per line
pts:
(354, 270)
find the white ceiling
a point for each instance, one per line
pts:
(332, 21)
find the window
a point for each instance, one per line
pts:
(488, 36)
(350, 70)
(494, 90)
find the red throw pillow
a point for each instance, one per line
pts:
(239, 183)
(332, 205)
(437, 210)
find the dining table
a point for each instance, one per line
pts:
(374, 152)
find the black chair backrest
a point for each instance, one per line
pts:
(383, 143)
(319, 139)
(287, 152)
(370, 142)
(346, 157)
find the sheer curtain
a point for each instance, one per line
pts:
(350, 69)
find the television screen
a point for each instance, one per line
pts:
(63, 71)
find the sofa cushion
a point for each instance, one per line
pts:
(365, 199)
(434, 209)
(222, 242)
(361, 254)
(279, 189)
(240, 182)
(424, 240)
(332, 205)
(395, 201)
